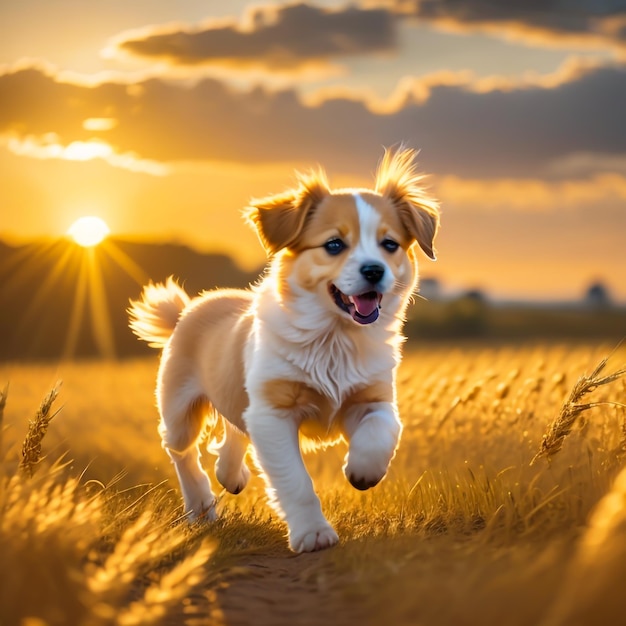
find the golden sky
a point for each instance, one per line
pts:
(165, 118)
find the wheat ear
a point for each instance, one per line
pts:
(37, 428)
(561, 427)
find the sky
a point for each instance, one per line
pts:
(165, 118)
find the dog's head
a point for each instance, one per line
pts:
(353, 248)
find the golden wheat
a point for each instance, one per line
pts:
(461, 514)
(37, 428)
(81, 554)
(572, 409)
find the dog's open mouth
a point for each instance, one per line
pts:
(364, 308)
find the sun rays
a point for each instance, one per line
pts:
(85, 274)
(90, 296)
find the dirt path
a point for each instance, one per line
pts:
(288, 590)
(442, 581)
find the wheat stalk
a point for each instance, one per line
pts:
(561, 427)
(3, 401)
(37, 428)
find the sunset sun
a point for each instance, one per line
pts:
(88, 231)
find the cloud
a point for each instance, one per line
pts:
(538, 196)
(49, 147)
(582, 163)
(586, 23)
(517, 132)
(288, 37)
(276, 37)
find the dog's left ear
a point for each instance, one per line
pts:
(397, 179)
(279, 220)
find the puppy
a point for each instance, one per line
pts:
(309, 354)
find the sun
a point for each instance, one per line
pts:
(88, 231)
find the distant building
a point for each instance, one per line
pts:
(430, 288)
(475, 295)
(597, 295)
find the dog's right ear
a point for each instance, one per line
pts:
(398, 180)
(279, 220)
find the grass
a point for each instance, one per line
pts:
(505, 503)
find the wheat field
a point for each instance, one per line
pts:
(506, 503)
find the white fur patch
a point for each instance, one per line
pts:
(366, 252)
(367, 249)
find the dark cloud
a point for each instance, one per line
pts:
(520, 132)
(566, 14)
(598, 19)
(278, 37)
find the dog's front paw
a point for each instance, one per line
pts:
(313, 538)
(372, 447)
(233, 482)
(365, 472)
(363, 483)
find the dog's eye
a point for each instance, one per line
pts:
(390, 245)
(334, 246)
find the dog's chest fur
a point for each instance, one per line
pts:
(303, 343)
(335, 365)
(324, 379)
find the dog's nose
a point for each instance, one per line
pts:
(372, 272)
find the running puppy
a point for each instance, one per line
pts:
(310, 352)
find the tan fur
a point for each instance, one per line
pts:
(311, 408)
(377, 392)
(279, 219)
(210, 338)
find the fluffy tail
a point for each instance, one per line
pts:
(154, 317)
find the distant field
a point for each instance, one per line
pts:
(477, 318)
(464, 530)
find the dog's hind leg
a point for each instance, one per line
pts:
(180, 428)
(230, 468)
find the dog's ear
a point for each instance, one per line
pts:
(398, 180)
(279, 220)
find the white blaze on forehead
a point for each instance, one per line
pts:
(369, 221)
(366, 251)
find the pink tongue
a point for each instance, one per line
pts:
(365, 305)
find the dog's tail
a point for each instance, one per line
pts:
(154, 316)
